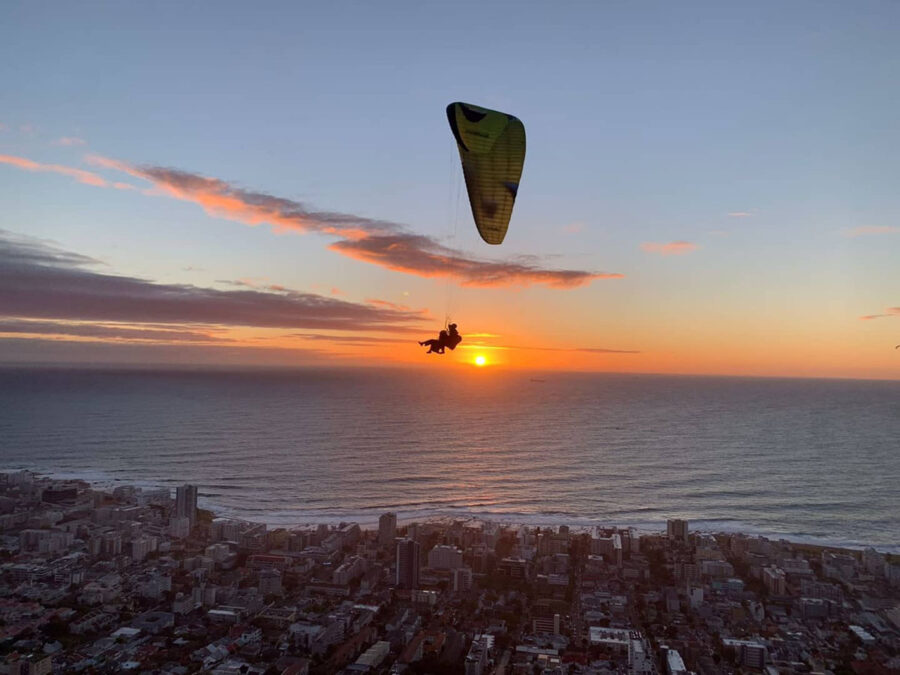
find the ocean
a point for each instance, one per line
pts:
(807, 460)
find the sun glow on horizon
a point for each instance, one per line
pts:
(480, 360)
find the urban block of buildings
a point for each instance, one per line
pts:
(137, 580)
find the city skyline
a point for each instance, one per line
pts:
(119, 584)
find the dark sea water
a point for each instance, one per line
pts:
(811, 460)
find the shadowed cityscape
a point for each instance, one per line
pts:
(134, 579)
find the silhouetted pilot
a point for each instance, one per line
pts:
(453, 338)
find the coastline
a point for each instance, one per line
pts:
(368, 520)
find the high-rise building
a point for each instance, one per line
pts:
(408, 564)
(775, 581)
(142, 547)
(443, 557)
(462, 579)
(186, 503)
(387, 529)
(677, 530)
(180, 528)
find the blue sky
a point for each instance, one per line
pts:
(646, 123)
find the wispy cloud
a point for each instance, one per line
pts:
(603, 350)
(864, 230)
(40, 281)
(131, 353)
(379, 242)
(590, 350)
(573, 228)
(359, 340)
(385, 303)
(108, 331)
(82, 176)
(70, 141)
(739, 214)
(672, 248)
(86, 177)
(374, 241)
(223, 200)
(422, 256)
(890, 311)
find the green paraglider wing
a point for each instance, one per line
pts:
(492, 149)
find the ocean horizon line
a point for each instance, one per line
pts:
(423, 368)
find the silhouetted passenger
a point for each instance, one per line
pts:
(436, 346)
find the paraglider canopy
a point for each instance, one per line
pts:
(492, 149)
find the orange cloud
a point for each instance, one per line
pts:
(222, 200)
(80, 175)
(385, 303)
(589, 350)
(420, 255)
(863, 230)
(378, 242)
(672, 248)
(890, 311)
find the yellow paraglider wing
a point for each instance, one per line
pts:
(492, 149)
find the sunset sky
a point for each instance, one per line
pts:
(709, 187)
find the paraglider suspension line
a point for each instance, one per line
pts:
(448, 286)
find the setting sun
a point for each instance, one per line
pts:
(480, 360)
